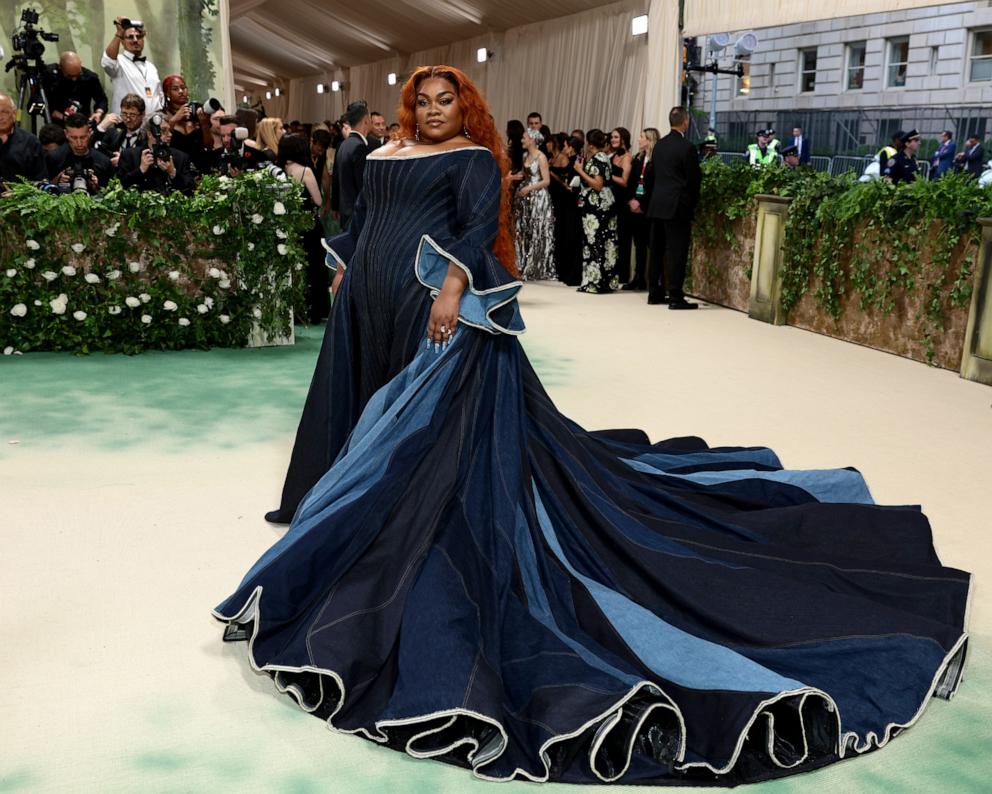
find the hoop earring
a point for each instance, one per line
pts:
(466, 133)
(417, 132)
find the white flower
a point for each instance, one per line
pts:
(256, 313)
(48, 275)
(32, 244)
(19, 310)
(114, 310)
(113, 275)
(218, 230)
(209, 301)
(213, 273)
(256, 218)
(183, 322)
(29, 264)
(224, 178)
(79, 315)
(224, 319)
(282, 249)
(170, 306)
(202, 308)
(299, 266)
(144, 297)
(134, 303)
(146, 318)
(59, 304)
(110, 231)
(134, 267)
(174, 275)
(37, 303)
(78, 247)
(69, 270)
(278, 208)
(281, 234)
(223, 283)
(281, 177)
(12, 272)
(251, 246)
(92, 278)
(8, 351)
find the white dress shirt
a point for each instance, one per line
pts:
(128, 77)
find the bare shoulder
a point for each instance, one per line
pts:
(390, 149)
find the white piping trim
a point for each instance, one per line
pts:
(373, 156)
(251, 609)
(471, 285)
(333, 253)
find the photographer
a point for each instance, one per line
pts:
(157, 166)
(118, 133)
(220, 158)
(20, 151)
(72, 88)
(77, 158)
(130, 72)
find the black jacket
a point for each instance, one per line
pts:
(59, 159)
(129, 170)
(635, 178)
(21, 155)
(349, 167)
(974, 160)
(677, 178)
(86, 90)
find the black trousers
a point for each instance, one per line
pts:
(640, 226)
(672, 237)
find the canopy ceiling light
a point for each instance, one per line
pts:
(391, 78)
(335, 85)
(278, 92)
(482, 55)
(639, 25)
(321, 88)
(268, 95)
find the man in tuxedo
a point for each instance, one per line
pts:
(349, 163)
(379, 134)
(139, 168)
(118, 132)
(801, 142)
(971, 159)
(677, 178)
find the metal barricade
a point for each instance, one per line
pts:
(821, 164)
(729, 158)
(923, 168)
(841, 165)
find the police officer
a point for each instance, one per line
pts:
(902, 166)
(762, 154)
(790, 156)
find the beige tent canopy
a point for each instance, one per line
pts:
(575, 61)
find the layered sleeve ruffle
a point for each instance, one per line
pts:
(341, 247)
(490, 301)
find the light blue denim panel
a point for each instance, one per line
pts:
(825, 485)
(540, 609)
(666, 460)
(673, 654)
(414, 393)
(476, 308)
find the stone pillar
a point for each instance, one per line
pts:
(766, 282)
(976, 358)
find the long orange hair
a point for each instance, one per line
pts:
(478, 120)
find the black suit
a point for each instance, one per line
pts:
(62, 158)
(677, 179)
(85, 89)
(643, 175)
(349, 168)
(974, 160)
(129, 170)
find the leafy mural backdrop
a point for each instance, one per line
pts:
(183, 36)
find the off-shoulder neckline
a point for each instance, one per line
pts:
(427, 154)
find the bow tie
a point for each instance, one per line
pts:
(137, 58)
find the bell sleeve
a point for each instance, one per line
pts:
(489, 303)
(341, 247)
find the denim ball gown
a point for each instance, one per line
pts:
(470, 576)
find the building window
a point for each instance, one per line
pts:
(807, 70)
(898, 61)
(771, 78)
(744, 81)
(981, 56)
(934, 57)
(855, 66)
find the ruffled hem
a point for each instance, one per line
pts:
(468, 738)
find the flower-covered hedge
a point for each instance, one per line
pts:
(126, 271)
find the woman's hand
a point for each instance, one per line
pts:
(523, 191)
(444, 313)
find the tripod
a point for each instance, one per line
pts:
(31, 96)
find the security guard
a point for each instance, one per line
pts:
(790, 156)
(886, 153)
(902, 166)
(762, 154)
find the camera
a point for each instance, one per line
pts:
(132, 23)
(27, 43)
(79, 178)
(160, 150)
(74, 107)
(209, 107)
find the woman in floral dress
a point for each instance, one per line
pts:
(597, 213)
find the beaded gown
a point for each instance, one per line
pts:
(471, 576)
(535, 237)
